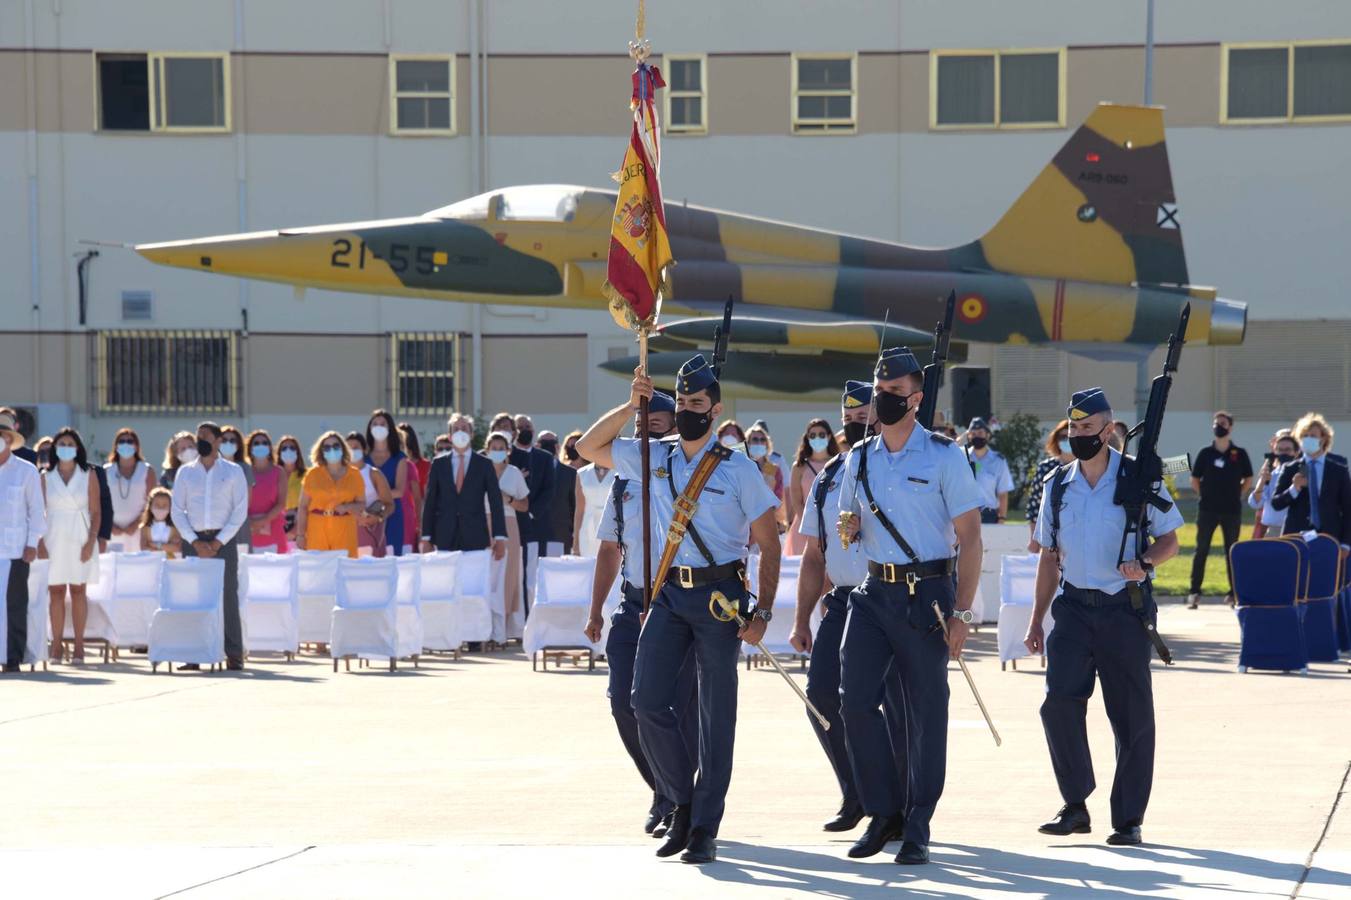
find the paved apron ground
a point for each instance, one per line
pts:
(481, 778)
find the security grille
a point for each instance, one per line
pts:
(426, 370)
(167, 371)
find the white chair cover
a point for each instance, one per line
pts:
(136, 584)
(781, 626)
(39, 625)
(473, 588)
(99, 624)
(997, 542)
(365, 619)
(408, 616)
(440, 604)
(269, 595)
(317, 587)
(1018, 578)
(189, 625)
(562, 598)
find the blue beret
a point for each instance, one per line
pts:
(980, 423)
(661, 402)
(896, 362)
(856, 394)
(1085, 403)
(694, 376)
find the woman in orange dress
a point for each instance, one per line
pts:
(332, 495)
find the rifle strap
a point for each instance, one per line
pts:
(824, 483)
(693, 500)
(876, 510)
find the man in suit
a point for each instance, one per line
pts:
(538, 468)
(453, 516)
(563, 504)
(1320, 474)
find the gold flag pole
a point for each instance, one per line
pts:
(639, 50)
(971, 682)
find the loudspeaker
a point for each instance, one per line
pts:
(970, 393)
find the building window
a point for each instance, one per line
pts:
(1286, 82)
(686, 94)
(422, 95)
(176, 92)
(167, 371)
(997, 89)
(137, 306)
(426, 373)
(825, 93)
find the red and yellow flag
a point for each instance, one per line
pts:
(640, 249)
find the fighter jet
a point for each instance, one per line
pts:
(1090, 254)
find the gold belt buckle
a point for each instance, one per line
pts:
(911, 579)
(889, 573)
(685, 577)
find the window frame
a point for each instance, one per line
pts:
(831, 126)
(155, 96)
(671, 94)
(396, 373)
(103, 386)
(997, 53)
(395, 95)
(1289, 47)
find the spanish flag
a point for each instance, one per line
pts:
(640, 249)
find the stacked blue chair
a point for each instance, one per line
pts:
(1268, 582)
(1320, 598)
(1344, 609)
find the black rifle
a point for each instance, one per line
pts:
(1138, 479)
(933, 372)
(722, 335)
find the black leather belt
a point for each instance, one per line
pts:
(910, 573)
(689, 577)
(1090, 597)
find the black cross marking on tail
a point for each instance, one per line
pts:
(1168, 216)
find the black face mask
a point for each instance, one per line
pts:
(692, 425)
(204, 447)
(855, 432)
(1220, 431)
(1086, 446)
(525, 436)
(978, 443)
(549, 447)
(1284, 457)
(891, 408)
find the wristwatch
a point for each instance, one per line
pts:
(764, 615)
(965, 616)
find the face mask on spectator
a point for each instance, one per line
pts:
(818, 444)
(204, 447)
(159, 512)
(460, 439)
(260, 451)
(332, 455)
(1284, 457)
(729, 440)
(757, 451)
(227, 449)
(441, 450)
(1064, 445)
(525, 436)
(978, 443)
(357, 454)
(497, 456)
(379, 432)
(188, 455)
(1311, 445)
(1221, 431)
(66, 453)
(126, 449)
(289, 455)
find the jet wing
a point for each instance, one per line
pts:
(787, 329)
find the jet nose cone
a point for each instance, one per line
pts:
(1228, 322)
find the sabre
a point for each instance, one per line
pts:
(846, 517)
(725, 611)
(971, 683)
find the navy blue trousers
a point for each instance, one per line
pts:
(823, 689)
(1109, 641)
(678, 623)
(889, 628)
(621, 646)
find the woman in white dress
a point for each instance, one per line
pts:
(71, 543)
(130, 481)
(594, 484)
(509, 622)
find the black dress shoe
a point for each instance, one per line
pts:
(846, 819)
(913, 854)
(189, 667)
(1125, 837)
(702, 848)
(1072, 819)
(678, 834)
(235, 665)
(10, 667)
(881, 830)
(664, 826)
(654, 818)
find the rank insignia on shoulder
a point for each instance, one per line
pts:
(939, 438)
(659, 472)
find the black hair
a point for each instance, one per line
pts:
(394, 442)
(81, 458)
(212, 426)
(360, 439)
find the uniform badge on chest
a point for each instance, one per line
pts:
(659, 472)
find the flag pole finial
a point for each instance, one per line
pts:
(640, 48)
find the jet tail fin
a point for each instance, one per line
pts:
(1102, 210)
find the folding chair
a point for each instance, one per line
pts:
(39, 622)
(98, 626)
(1268, 578)
(408, 616)
(1017, 586)
(473, 590)
(440, 605)
(135, 595)
(269, 598)
(557, 622)
(317, 593)
(1320, 598)
(189, 626)
(780, 627)
(365, 619)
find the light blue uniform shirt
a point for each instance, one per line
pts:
(632, 570)
(844, 568)
(922, 487)
(735, 496)
(1091, 526)
(992, 477)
